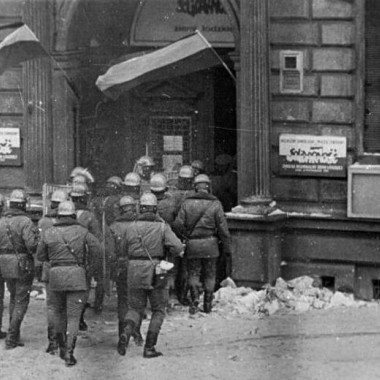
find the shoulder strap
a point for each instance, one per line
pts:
(194, 225)
(71, 250)
(10, 236)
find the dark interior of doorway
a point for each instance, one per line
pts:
(225, 112)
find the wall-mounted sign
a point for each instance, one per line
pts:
(173, 143)
(159, 22)
(291, 72)
(308, 155)
(10, 147)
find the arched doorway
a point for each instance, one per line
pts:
(191, 117)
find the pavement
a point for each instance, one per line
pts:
(336, 343)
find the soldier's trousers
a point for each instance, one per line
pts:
(122, 295)
(137, 301)
(67, 308)
(49, 312)
(2, 288)
(19, 290)
(205, 268)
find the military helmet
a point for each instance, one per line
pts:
(82, 172)
(115, 180)
(126, 201)
(158, 182)
(79, 190)
(145, 161)
(201, 178)
(148, 199)
(66, 208)
(59, 196)
(186, 171)
(79, 178)
(18, 196)
(132, 179)
(198, 165)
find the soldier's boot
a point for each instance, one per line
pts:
(69, 354)
(52, 347)
(125, 337)
(137, 337)
(207, 302)
(149, 349)
(13, 337)
(61, 340)
(194, 301)
(82, 323)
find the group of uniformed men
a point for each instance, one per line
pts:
(126, 231)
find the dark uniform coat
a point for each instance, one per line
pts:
(207, 209)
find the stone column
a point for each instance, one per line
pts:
(38, 159)
(253, 129)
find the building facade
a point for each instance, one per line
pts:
(303, 110)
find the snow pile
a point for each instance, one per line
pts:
(300, 294)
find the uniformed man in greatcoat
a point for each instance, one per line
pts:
(201, 219)
(18, 242)
(44, 223)
(74, 255)
(146, 239)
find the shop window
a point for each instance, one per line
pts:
(376, 289)
(328, 282)
(371, 137)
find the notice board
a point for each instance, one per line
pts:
(308, 155)
(10, 147)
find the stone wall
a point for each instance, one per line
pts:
(324, 30)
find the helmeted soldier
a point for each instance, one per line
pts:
(44, 223)
(198, 167)
(185, 187)
(201, 219)
(74, 255)
(128, 213)
(81, 172)
(87, 219)
(2, 281)
(146, 239)
(185, 184)
(167, 209)
(105, 208)
(18, 242)
(144, 168)
(132, 185)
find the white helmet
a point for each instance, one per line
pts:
(66, 208)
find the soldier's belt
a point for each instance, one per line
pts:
(201, 237)
(63, 264)
(145, 258)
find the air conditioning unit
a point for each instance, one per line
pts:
(363, 198)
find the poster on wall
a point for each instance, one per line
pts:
(307, 155)
(159, 22)
(10, 147)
